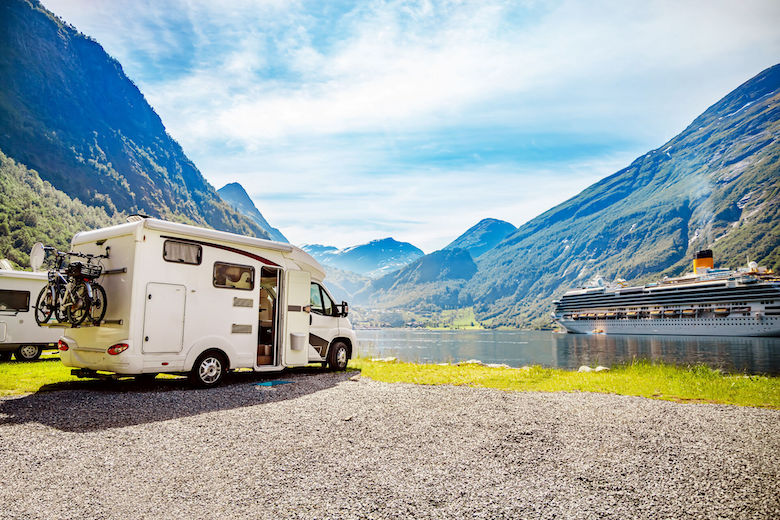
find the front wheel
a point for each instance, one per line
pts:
(209, 370)
(338, 356)
(44, 305)
(28, 353)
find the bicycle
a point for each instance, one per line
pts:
(72, 293)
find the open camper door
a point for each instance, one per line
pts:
(296, 333)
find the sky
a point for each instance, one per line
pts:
(352, 121)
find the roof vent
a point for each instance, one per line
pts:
(137, 217)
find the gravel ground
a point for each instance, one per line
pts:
(333, 445)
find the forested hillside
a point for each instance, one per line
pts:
(68, 111)
(31, 210)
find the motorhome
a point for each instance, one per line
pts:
(20, 335)
(188, 300)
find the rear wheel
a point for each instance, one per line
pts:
(97, 308)
(28, 353)
(338, 356)
(209, 370)
(44, 305)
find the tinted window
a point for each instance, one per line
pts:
(234, 276)
(16, 301)
(316, 299)
(182, 252)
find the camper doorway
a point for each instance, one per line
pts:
(268, 319)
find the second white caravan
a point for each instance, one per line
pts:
(184, 299)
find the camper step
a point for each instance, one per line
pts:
(93, 374)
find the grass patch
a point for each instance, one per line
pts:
(641, 378)
(21, 378)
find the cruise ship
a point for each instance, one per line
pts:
(706, 302)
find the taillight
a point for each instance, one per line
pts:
(62, 345)
(113, 350)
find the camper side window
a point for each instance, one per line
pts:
(14, 301)
(182, 252)
(234, 276)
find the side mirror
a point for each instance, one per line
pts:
(344, 309)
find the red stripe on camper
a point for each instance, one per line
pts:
(226, 248)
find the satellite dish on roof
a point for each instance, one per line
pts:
(37, 254)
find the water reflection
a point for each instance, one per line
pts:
(517, 348)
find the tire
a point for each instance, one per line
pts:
(338, 356)
(59, 296)
(28, 353)
(78, 310)
(97, 308)
(5, 356)
(44, 305)
(209, 370)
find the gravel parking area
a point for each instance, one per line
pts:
(334, 445)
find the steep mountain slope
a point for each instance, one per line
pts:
(235, 195)
(483, 236)
(68, 111)
(716, 184)
(31, 210)
(431, 282)
(372, 259)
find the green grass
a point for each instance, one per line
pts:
(21, 378)
(656, 381)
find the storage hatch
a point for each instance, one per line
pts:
(164, 317)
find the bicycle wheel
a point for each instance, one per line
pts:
(78, 310)
(97, 310)
(44, 305)
(58, 294)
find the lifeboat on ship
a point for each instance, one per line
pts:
(671, 313)
(655, 314)
(722, 311)
(689, 313)
(632, 314)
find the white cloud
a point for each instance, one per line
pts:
(324, 108)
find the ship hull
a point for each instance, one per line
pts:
(736, 326)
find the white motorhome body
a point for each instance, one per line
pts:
(19, 332)
(177, 294)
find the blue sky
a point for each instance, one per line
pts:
(350, 121)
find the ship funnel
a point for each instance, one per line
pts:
(703, 260)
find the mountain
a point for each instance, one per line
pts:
(235, 195)
(68, 111)
(484, 235)
(32, 210)
(715, 185)
(372, 259)
(433, 281)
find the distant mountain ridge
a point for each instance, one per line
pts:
(372, 259)
(235, 195)
(715, 185)
(483, 236)
(68, 111)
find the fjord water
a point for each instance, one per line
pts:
(550, 349)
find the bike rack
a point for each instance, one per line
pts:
(66, 325)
